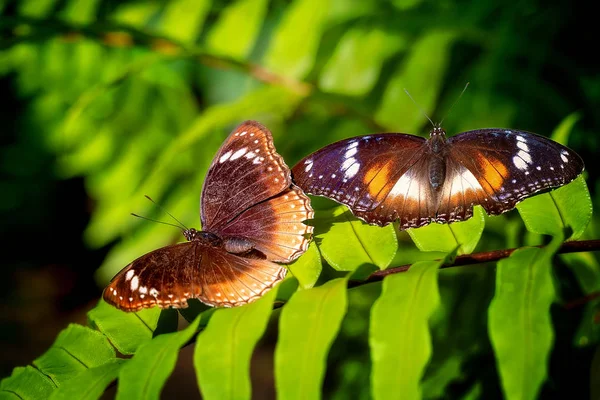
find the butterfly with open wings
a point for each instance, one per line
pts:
(384, 178)
(252, 218)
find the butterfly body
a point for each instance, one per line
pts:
(391, 177)
(252, 219)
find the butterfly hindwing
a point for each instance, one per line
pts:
(275, 226)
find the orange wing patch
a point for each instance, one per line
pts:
(494, 173)
(377, 178)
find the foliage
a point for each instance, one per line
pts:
(136, 97)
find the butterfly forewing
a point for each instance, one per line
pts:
(512, 165)
(275, 226)
(166, 277)
(170, 276)
(245, 171)
(359, 172)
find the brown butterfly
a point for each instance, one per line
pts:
(391, 177)
(252, 218)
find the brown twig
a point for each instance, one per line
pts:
(482, 257)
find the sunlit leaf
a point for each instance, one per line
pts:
(223, 370)
(355, 65)
(399, 333)
(126, 331)
(346, 242)
(406, 4)
(295, 42)
(550, 213)
(308, 325)
(75, 349)
(421, 77)
(260, 102)
(26, 383)
(89, 384)
(563, 130)
(144, 375)
(183, 19)
(519, 321)
(80, 11)
(236, 30)
(36, 8)
(308, 267)
(446, 237)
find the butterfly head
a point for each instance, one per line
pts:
(437, 131)
(206, 237)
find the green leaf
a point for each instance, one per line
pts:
(223, 370)
(307, 268)
(421, 77)
(346, 242)
(235, 33)
(89, 384)
(144, 376)
(356, 63)
(75, 349)
(550, 213)
(447, 237)
(256, 104)
(36, 8)
(308, 325)
(125, 330)
(563, 130)
(183, 19)
(399, 333)
(519, 322)
(296, 40)
(26, 383)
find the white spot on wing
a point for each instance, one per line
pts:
(308, 166)
(225, 157)
(525, 156)
(564, 158)
(129, 274)
(350, 152)
(519, 163)
(404, 183)
(237, 154)
(135, 283)
(523, 146)
(353, 170)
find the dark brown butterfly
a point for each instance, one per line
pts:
(391, 177)
(252, 217)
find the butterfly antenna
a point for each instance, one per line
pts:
(154, 220)
(419, 107)
(163, 209)
(455, 101)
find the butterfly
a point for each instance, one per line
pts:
(384, 178)
(252, 218)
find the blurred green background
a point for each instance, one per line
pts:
(105, 101)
